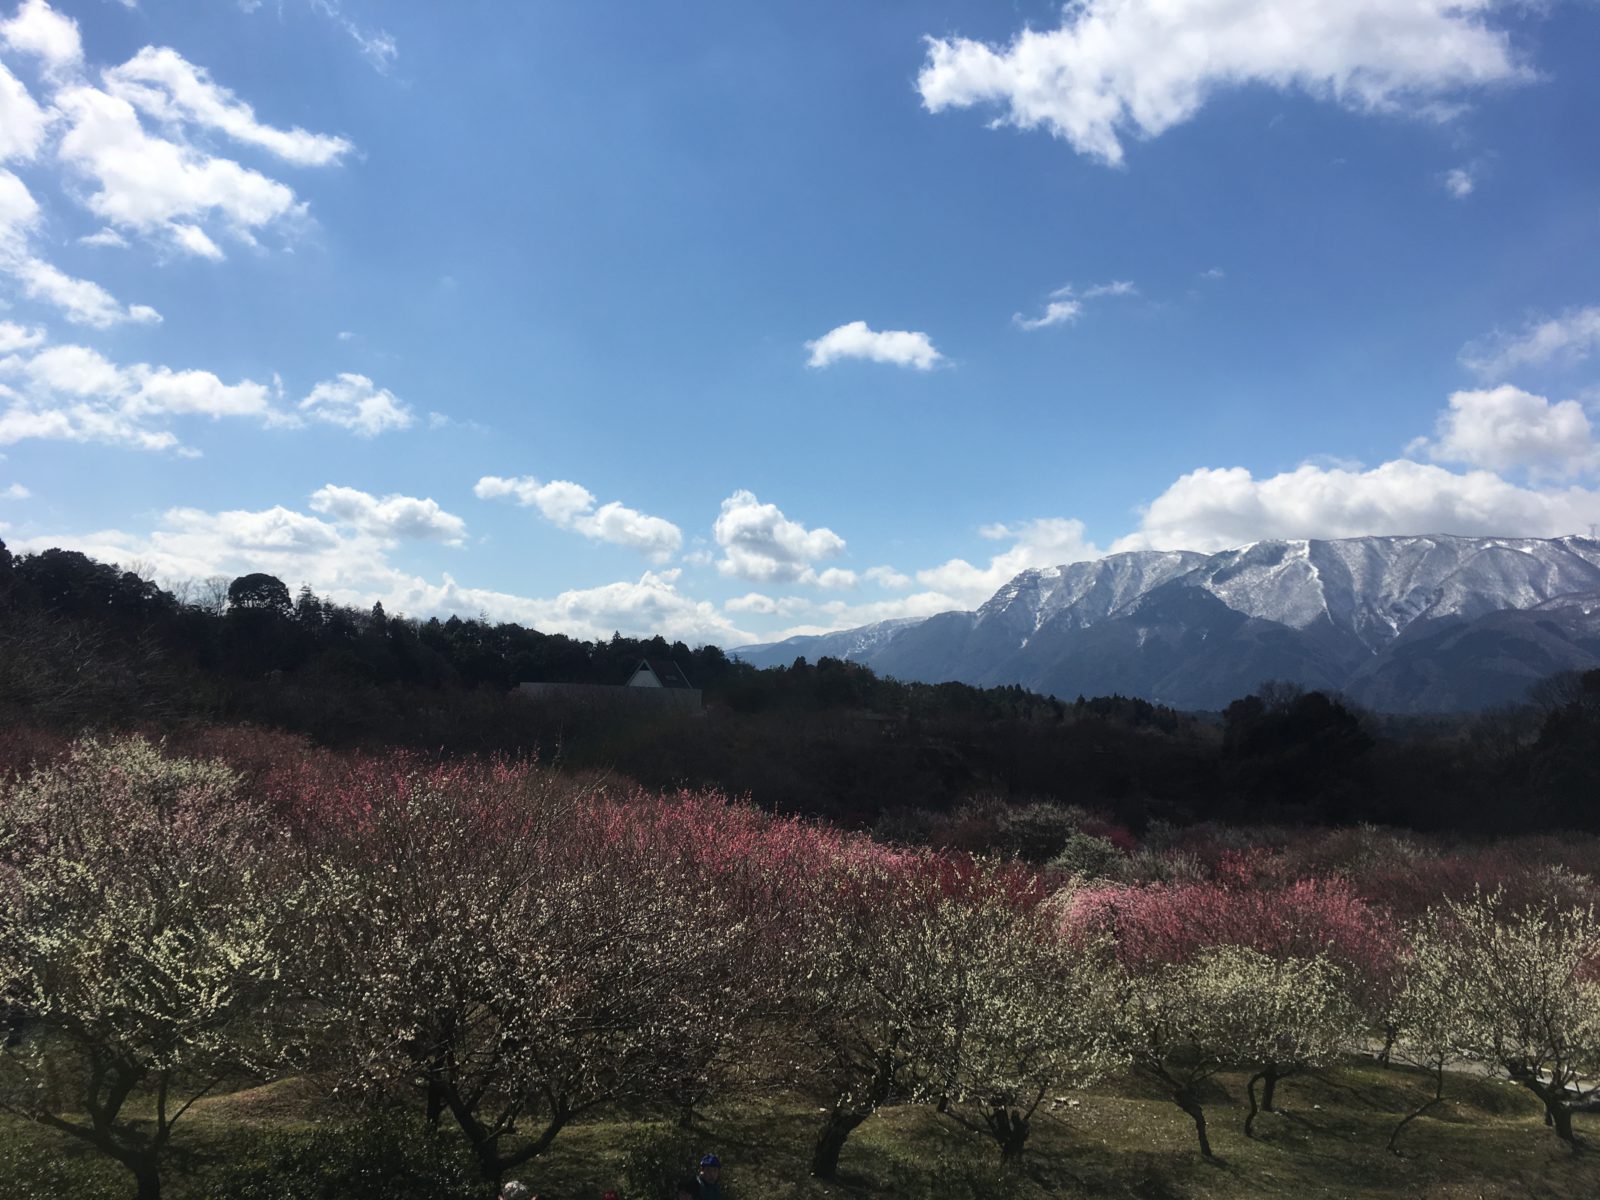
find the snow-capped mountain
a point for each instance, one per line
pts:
(1374, 616)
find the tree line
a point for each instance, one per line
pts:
(88, 645)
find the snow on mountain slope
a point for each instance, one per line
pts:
(1376, 587)
(1326, 613)
(1084, 591)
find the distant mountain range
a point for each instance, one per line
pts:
(1399, 624)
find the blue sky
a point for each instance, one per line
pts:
(730, 320)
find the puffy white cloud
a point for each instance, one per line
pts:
(392, 516)
(1043, 542)
(15, 491)
(39, 30)
(1459, 182)
(23, 123)
(74, 393)
(1216, 508)
(1066, 304)
(1116, 67)
(572, 506)
(759, 543)
(1506, 428)
(158, 187)
(14, 337)
(897, 347)
(19, 213)
(836, 577)
(164, 85)
(1568, 338)
(355, 403)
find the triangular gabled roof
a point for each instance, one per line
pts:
(668, 672)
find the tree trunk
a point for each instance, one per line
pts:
(830, 1142)
(1556, 1113)
(1011, 1131)
(1187, 1102)
(1250, 1091)
(1438, 1096)
(1561, 1118)
(1269, 1089)
(147, 1181)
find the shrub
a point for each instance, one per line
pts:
(1086, 855)
(658, 1159)
(382, 1157)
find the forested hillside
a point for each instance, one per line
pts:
(87, 645)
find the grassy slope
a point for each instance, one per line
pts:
(1488, 1141)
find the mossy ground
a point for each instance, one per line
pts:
(1487, 1141)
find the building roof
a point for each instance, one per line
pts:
(668, 672)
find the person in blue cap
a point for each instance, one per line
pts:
(706, 1185)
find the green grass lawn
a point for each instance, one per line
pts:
(1487, 1141)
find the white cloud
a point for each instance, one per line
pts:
(103, 237)
(897, 347)
(1043, 542)
(1217, 508)
(572, 506)
(195, 241)
(1506, 428)
(887, 577)
(19, 213)
(39, 30)
(834, 615)
(81, 301)
(350, 564)
(162, 188)
(759, 543)
(1567, 339)
(355, 403)
(1057, 312)
(23, 123)
(392, 516)
(74, 393)
(651, 605)
(164, 85)
(14, 337)
(1066, 304)
(15, 491)
(376, 46)
(1120, 67)
(767, 606)
(1459, 182)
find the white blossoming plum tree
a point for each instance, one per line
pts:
(144, 925)
(1022, 1012)
(1531, 1001)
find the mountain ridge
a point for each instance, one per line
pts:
(1196, 630)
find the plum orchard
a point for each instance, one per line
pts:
(510, 948)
